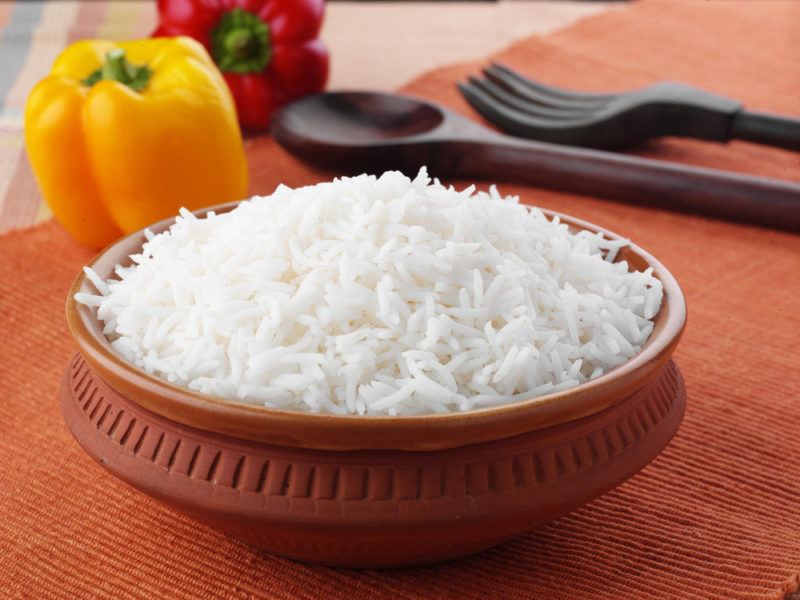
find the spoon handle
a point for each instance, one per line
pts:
(720, 194)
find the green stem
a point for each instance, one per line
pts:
(117, 68)
(240, 42)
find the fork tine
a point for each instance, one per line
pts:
(551, 90)
(537, 110)
(518, 88)
(505, 117)
(536, 92)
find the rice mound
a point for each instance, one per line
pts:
(376, 296)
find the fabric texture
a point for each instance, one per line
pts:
(715, 516)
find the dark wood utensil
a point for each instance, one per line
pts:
(529, 109)
(355, 132)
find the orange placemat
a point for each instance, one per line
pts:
(716, 516)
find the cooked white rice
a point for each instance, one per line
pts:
(376, 296)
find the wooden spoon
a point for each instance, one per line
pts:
(356, 132)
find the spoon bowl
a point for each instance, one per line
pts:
(353, 132)
(357, 118)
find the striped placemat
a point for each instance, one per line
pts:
(32, 34)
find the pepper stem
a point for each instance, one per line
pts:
(240, 42)
(117, 68)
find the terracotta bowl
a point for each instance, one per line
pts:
(372, 491)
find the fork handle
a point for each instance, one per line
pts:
(714, 193)
(766, 128)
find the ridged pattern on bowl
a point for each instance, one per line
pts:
(341, 507)
(180, 454)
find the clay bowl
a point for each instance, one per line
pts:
(372, 491)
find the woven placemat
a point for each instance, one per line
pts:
(715, 516)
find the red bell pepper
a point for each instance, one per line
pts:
(268, 50)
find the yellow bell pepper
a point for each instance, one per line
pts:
(122, 135)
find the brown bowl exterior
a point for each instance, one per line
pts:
(379, 508)
(372, 491)
(334, 432)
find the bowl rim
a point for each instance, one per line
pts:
(371, 432)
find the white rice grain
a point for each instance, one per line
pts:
(376, 296)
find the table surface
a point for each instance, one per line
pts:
(405, 39)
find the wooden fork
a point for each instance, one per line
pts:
(527, 108)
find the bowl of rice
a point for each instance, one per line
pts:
(374, 371)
